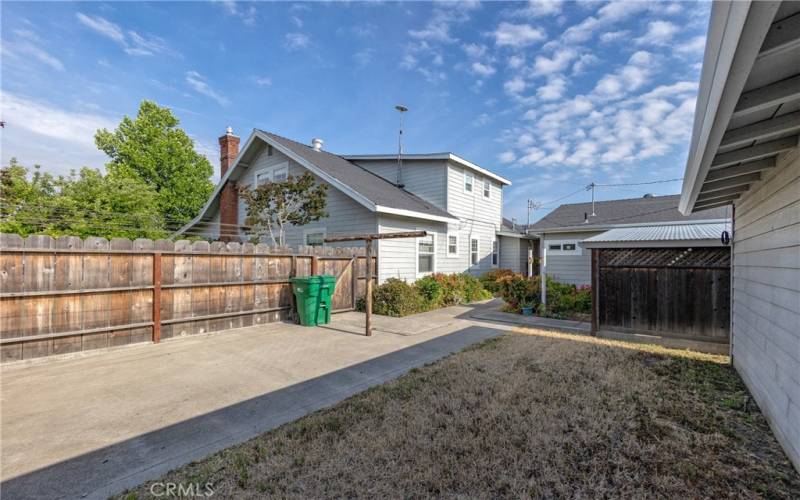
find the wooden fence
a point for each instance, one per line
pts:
(62, 295)
(672, 292)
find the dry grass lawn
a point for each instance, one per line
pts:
(532, 414)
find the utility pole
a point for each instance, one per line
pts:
(402, 109)
(532, 205)
(592, 186)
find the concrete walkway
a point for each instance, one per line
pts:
(92, 426)
(492, 313)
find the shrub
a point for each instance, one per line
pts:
(396, 298)
(490, 279)
(431, 290)
(562, 299)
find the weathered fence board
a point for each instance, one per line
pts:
(673, 292)
(68, 295)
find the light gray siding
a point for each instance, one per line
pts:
(510, 253)
(765, 339)
(569, 267)
(397, 258)
(474, 206)
(345, 216)
(424, 178)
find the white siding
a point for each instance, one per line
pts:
(424, 178)
(510, 253)
(474, 206)
(345, 216)
(574, 269)
(397, 258)
(765, 339)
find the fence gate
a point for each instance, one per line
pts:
(350, 279)
(670, 292)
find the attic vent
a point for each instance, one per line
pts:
(648, 195)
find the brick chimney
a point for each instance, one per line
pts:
(229, 197)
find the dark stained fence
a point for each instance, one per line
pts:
(671, 292)
(64, 295)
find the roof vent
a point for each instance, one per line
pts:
(317, 144)
(648, 195)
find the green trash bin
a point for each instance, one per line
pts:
(313, 294)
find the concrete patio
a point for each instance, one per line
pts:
(94, 425)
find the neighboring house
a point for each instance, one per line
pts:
(457, 202)
(517, 247)
(744, 152)
(561, 232)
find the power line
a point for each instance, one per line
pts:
(641, 183)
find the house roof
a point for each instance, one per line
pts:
(358, 182)
(433, 156)
(699, 234)
(369, 189)
(748, 106)
(614, 213)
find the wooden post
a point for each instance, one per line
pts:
(156, 297)
(368, 296)
(354, 276)
(314, 265)
(595, 294)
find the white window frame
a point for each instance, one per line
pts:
(476, 252)
(578, 250)
(469, 180)
(315, 230)
(416, 255)
(487, 189)
(454, 235)
(495, 252)
(270, 172)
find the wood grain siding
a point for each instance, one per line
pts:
(766, 298)
(573, 269)
(346, 216)
(397, 258)
(424, 178)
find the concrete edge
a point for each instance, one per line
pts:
(692, 345)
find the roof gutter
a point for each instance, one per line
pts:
(735, 35)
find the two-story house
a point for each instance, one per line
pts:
(456, 201)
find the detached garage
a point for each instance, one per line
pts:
(667, 281)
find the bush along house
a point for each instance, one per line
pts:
(456, 201)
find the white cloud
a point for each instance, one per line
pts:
(262, 81)
(297, 21)
(58, 139)
(658, 33)
(607, 15)
(199, 84)
(481, 69)
(629, 78)
(475, 50)
(29, 49)
(132, 43)
(515, 86)
(516, 61)
(560, 60)
(437, 29)
(517, 35)
(540, 8)
(363, 57)
(506, 157)
(553, 90)
(695, 45)
(408, 62)
(583, 62)
(612, 36)
(296, 41)
(248, 14)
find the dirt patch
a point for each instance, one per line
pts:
(532, 414)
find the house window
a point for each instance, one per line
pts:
(452, 245)
(263, 178)
(495, 253)
(315, 238)
(568, 246)
(425, 254)
(280, 174)
(554, 247)
(487, 189)
(269, 149)
(473, 251)
(468, 181)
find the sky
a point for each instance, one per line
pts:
(551, 95)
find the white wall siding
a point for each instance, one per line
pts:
(345, 215)
(474, 206)
(510, 253)
(765, 339)
(424, 178)
(397, 258)
(574, 269)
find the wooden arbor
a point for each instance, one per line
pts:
(367, 239)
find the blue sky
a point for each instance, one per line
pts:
(550, 95)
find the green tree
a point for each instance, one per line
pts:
(84, 204)
(153, 148)
(272, 206)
